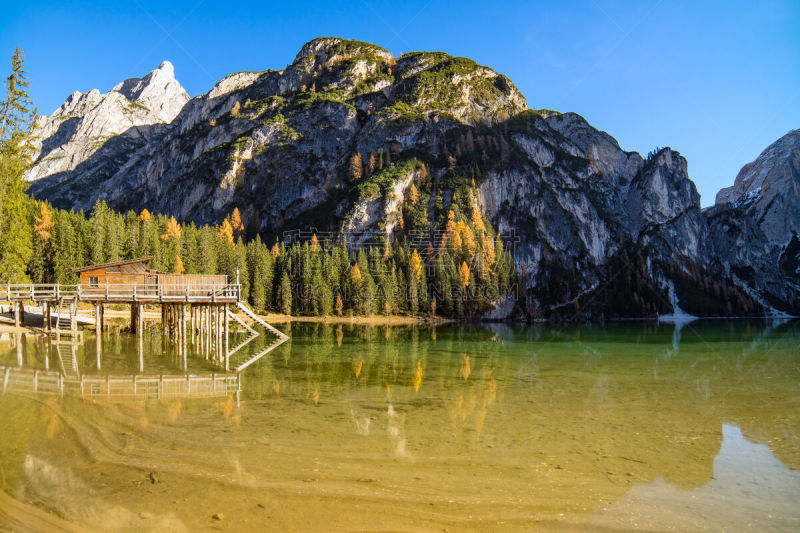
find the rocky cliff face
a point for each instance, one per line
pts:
(755, 224)
(349, 138)
(91, 135)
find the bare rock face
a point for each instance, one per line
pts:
(755, 225)
(103, 129)
(768, 189)
(596, 231)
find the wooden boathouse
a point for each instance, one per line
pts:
(194, 305)
(133, 280)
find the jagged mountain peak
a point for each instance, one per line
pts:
(776, 159)
(768, 189)
(132, 111)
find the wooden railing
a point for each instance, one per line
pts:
(193, 293)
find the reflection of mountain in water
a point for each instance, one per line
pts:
(749, 486)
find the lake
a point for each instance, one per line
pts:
(452, 427)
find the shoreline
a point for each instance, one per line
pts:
(34, 320)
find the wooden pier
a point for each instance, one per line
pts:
(193, 308)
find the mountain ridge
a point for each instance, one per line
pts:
(359, 128)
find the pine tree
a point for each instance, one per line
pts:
(240, 269)
(65, 248)
(17, 115)
(413, 294)
(99, 224)
(178, 266)
(286, 295)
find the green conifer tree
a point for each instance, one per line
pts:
(286, 295)
(17, 114)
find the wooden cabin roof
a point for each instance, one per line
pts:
(130, 266)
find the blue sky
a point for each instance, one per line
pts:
(717, 81)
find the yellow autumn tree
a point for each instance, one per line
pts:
(356, 169)
(315, 243)
(488, 251)
(477, 220)
(173, 230)
(450, 238)
(226, 231)
(44, 224)
(466, 237)
(338, 306)
(413, 194)
(355, 274)
(178, 267)
(416, 265)
(236, 223)
(276, 250)
(145, 215)
(429, 252)
(463, 274)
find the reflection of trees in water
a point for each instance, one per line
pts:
(603, 398)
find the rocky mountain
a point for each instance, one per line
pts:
(755, 223)
(92, 134)
(349, 138)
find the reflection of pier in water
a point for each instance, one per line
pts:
(120, 388)
(59, 369)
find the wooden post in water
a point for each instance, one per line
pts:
(133, 317)
(220, 355)
(208, 331)
(16, 306)
(18, 342)
(183, 336)
(139, 319)
(227, 325)
(98, 345)
(73, 315)
(140, 346)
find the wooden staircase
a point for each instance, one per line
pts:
(281, 337)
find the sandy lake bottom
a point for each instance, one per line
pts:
(424, 428)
